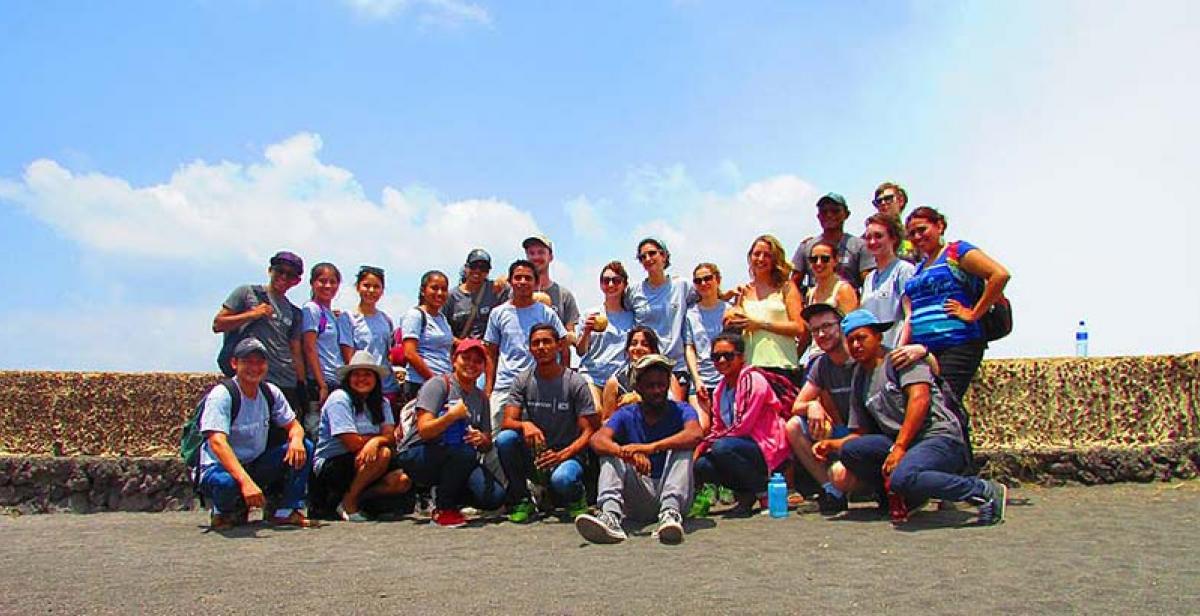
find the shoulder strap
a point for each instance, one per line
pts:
(475, 299)
(235, 397)
(265, 392)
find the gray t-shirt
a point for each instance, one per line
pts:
(854, 259)
(834, 379)
(434, 397)
(563, 303)
(276, 332)
(877, 401)
(458, 309)
(248, 435)
(553, 405)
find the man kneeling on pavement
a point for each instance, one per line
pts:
(237, 460)
(918, 449)
(646, 460)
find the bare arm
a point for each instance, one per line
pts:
(608, 398)
(354, 441)
(227, 320)
(493, 355)
(603, 443)
(415, 361)
(916, 410)
(847, 298)
(995, 278)
(314, 363)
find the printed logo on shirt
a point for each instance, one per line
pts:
(564, 406)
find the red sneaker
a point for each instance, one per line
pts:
(449, 518)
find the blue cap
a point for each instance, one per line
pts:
(863, 318)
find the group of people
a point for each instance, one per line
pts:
(843, 368)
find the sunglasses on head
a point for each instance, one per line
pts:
(814, 259)
(370, 269)
(704, 279)
(724, 355)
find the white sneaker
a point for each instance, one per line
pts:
(670, 527)
(603, 527)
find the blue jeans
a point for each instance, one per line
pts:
(456, 473)
(268, 470)
(566, 481)
(735, 462)
(929, 469)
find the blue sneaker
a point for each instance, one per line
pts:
(991, 512)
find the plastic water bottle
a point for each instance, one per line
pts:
(1081, 340)
(777, 494)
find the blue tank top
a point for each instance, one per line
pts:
(928, 290)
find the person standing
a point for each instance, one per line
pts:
(768, 312)
(890, 200)
(660, 302)
(328, 340)
(600, 339)
(705, 321)
(854, 261)
(373, 330)
(428, 338)
(883, 288)
(539, 251)
(263, 312)
(471, 302)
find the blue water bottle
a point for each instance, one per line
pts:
(1081, 340)
(777, 494)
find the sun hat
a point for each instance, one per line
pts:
(361, 360)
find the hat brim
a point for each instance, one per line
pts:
(813, 310)
(345, 371)
(879, 327)
(535, 240)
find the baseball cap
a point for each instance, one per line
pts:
(538, 239)
(863, 318)
(284, 257)
(479, 255)
(249, 346)
(466, 344)
(650, 361)
(835, 198)
(813, 310)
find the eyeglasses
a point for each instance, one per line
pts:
(704, 279)
(724, 356)
(825, 329)
(815, 259)
(611, 280)
(648, 254)
(884, 199)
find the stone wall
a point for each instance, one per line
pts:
(1018, 404)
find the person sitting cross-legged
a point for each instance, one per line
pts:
(548, 420)
(919, 451)
(354, 460)
(646, 460)
(237, 463)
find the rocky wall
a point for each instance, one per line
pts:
(1015, 404)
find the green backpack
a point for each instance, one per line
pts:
(193, 438)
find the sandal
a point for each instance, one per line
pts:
(357, 516)
(296, 519)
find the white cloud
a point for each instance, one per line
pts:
(443, 12)
(585, 219)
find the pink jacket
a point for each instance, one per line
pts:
(755, 414)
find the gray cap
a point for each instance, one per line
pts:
(248, 346)
(479, 255)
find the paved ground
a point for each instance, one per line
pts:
(1115, 549)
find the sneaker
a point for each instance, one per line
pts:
(449, 518)
(219, 521)
(357, 516)
(703, 501)
(603, 527)
(670, 527)
(991, 512)
(744, 507)
(725, 496)
(578, 507)
(522, 512)
(829, 504)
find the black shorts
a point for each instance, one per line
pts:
(329, 483)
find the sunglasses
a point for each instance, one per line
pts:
(611, 280)
(884, 199)
(479, 267)
(814, 259)
(287, 273)
(724, 356)
(704, 279)
(649, 254)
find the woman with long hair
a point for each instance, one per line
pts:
(768, 311)
(353, 461)
(327, 340)
(618, 390)
(705, 321)
(600, 339)
(829, 287)
(373, 329)
(428, 338)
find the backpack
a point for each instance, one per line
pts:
(193, 438)
(998, 322)
(234, 336)
(784, 389)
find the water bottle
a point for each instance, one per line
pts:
(777, 495)
(1081, 340)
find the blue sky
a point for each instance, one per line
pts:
(153, 155)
